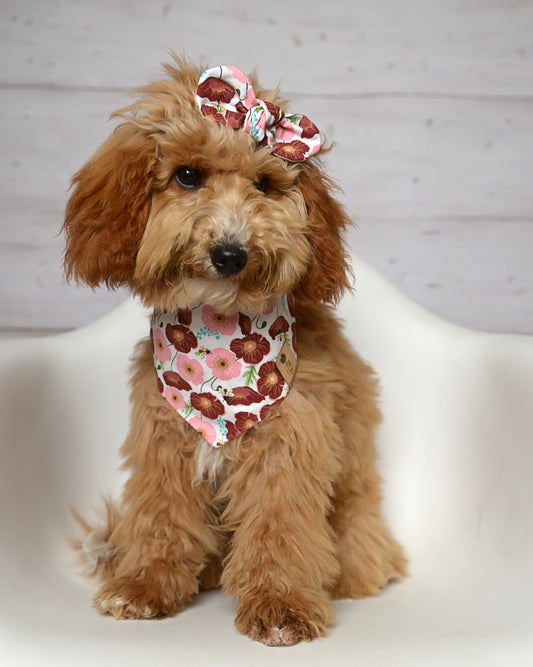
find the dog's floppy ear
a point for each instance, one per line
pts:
(328, 273)
(107, 211)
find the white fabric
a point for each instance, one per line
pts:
(457, 459)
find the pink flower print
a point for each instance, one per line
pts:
(223, 364)
(190, 369)
(174, 397)
(161, 348)
(237, 73)
(224, 324)
(285, 132)
(241, 77)
(250, 100)
(205, 429)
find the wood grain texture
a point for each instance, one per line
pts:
(430, 105)
(440, 46)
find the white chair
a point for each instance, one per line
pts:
(456, 454)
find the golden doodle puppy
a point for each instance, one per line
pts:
(251, 446)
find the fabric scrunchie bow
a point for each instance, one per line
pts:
(225, 95)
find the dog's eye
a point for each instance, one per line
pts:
(262, 184)
(188, 177)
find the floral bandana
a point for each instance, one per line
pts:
(226, 96)
(224, 373)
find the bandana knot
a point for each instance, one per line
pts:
(226, 96)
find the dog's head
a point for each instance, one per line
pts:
(184, 210)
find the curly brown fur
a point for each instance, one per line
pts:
(286, 516)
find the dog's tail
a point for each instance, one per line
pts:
(94, 555)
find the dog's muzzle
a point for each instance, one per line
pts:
(228, 259)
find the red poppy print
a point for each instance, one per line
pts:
(185, 316)
(295, 151)
(233, 431)
(245, 324)
(216, 90)
(173, 379)
(275, 111)
(234, 119)
(294, 343)
(270, 382)
(244, 396)
(213, 114)
(291, 304)
(181, 337)
(309, 129)
(267, 409)
(251, 349)
(279, 327)
(207, 404)
(245, 420)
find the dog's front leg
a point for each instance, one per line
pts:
(167, 532)
(282, 558)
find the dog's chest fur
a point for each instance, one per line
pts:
(209, 463)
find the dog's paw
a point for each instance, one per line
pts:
(278, 621)
(369, 576)
(126, 598)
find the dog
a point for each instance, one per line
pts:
(251, 449)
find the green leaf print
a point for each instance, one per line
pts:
(250, 375)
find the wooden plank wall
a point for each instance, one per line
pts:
(430, 103)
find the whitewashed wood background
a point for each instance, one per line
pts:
(430, 103)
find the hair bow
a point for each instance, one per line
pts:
(225, 95)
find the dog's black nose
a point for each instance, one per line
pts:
(228, 259)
